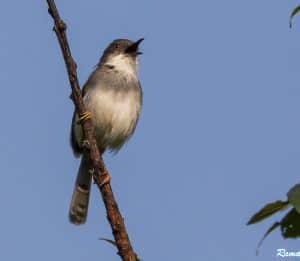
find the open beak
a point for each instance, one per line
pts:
(134, 48)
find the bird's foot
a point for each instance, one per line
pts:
(86, 144)
(105, 178)
(92, 171)
(84, 116)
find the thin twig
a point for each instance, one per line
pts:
(114, 217)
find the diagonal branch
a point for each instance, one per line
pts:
(114, 217)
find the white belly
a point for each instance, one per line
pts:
(115, 114)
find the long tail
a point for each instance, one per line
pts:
(81, 193)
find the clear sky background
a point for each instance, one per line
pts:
(219, 134)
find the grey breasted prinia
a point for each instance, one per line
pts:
(113, 95)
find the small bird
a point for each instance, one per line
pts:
(113, 98)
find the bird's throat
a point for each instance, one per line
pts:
(123, 64)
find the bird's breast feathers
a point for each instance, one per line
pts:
(115, 114)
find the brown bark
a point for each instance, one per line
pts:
(114, 217)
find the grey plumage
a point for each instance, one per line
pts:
(113, 95)
(81, 194)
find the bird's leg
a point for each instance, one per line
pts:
(86, 144)
(84, 116)
(105, 178)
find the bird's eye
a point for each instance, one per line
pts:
(117, 46)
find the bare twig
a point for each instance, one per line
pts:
(114, 217)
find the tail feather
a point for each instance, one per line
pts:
(81, 193)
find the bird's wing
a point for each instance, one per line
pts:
(77, 150)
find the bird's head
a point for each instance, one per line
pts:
(121, 55)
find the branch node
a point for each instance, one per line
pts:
(71, 96)
(50, 12)
(62, 26)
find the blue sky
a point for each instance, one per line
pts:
(219, 134)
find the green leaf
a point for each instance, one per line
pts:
(275, 225)
(267, 211)
(290, 225)
(294, 12)
(293, 196)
